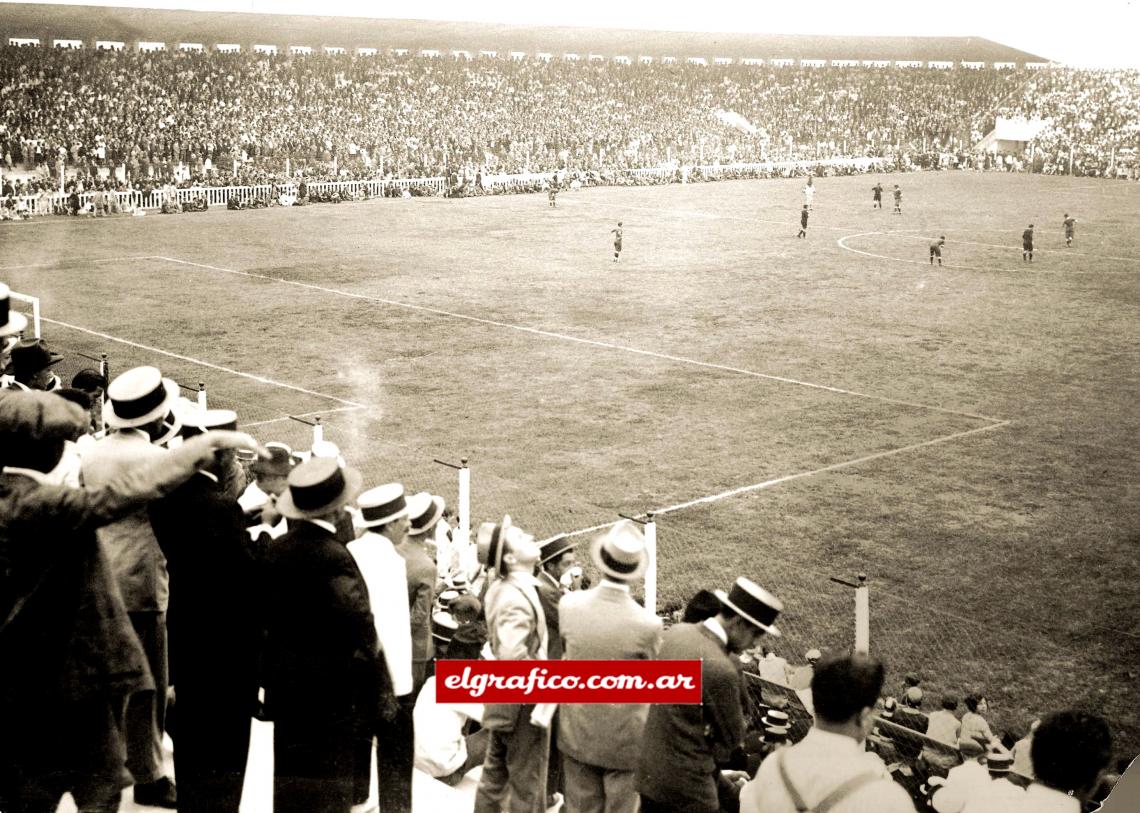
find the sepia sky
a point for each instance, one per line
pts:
(1092, 33)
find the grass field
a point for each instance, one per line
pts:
(966, 436)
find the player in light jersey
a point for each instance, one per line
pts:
(898, 201)
(1070, 225)
(809, 193)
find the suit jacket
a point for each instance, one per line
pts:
(550, 593)
(605, 623)
(421, 594)
(516, 630)
(320, 634)
(136, 560)
(682, 745)
(214, 585)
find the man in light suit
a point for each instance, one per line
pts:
(517, 753)
(139, 411)
(599, 743)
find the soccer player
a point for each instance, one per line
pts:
(552, 193)
(1070, 226)
(898, 201)
(617, 241)
(877, 200)
(809, 193)
(803, 221)
(936, 249)
(1027, 244)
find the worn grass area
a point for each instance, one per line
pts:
(501, 330)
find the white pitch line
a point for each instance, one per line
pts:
(60, 263)
(735, 492)
(316, 412)
(593, 342)
(211, 365)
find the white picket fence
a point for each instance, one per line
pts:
(220, 195)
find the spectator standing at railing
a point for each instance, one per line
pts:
(683, 745)
(139, 415)
(828, 769)
(599, 743)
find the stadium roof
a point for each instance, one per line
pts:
(134, 24)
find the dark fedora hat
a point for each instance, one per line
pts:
(30, 357)
(553, 548)
(318, 487)
(752, 603)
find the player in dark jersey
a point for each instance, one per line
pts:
(552, 193)
(1027, 244)
(898, 201)
(617, 241)
(877, 200)
(803, 222)
(936, 249)
(1070, 224)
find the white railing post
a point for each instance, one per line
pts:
(202, 395)
(651, 571)
(862, 616)
(318, 430)
(464, 508)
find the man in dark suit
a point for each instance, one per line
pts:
(599, 743)
(682, 745)
(321, 642)
(212, 627)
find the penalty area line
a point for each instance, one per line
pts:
(766, 484)
(191, 360)
(580, 340)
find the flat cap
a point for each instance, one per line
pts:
(40, 416)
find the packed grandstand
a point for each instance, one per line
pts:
(114, 118)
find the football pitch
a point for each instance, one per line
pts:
(791, 410)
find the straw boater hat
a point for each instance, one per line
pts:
(999, 763)
(141, 396)
(812, 655)
(200, 421)
(620, 551)
(752, 603)
(317, 488)
(489, 543)
(424, 511)
(553, 548)
(775, 722)
(443, 627)
(381, 505)
(11, 322)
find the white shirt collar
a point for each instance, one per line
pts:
(830, 741)
(323, 524)
(209, 475)
(615, 585)
(717, 629)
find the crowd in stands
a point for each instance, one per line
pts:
(236, 118)
(147, 543)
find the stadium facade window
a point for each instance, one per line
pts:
(22, 42)
(301, 50)
(781, 63)
(334, 49)
(544, 56)
(518, 56)
(976, 66)
(668, 60)
(152, 46)
(227, 48)
(67, 43)
(400, 51)
(1004, 66)
(623, 60)
(908, 63)
(940, 64)
(697, 60)
(571, 57)
(490, 54)
(597, 58)
(813, 63)
(430, 53)
(1036, 66)
(462, 55)
(752, 60)
(265, 49)
(845, 63)
(645, 60)
(876, 63)
(190, 46)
